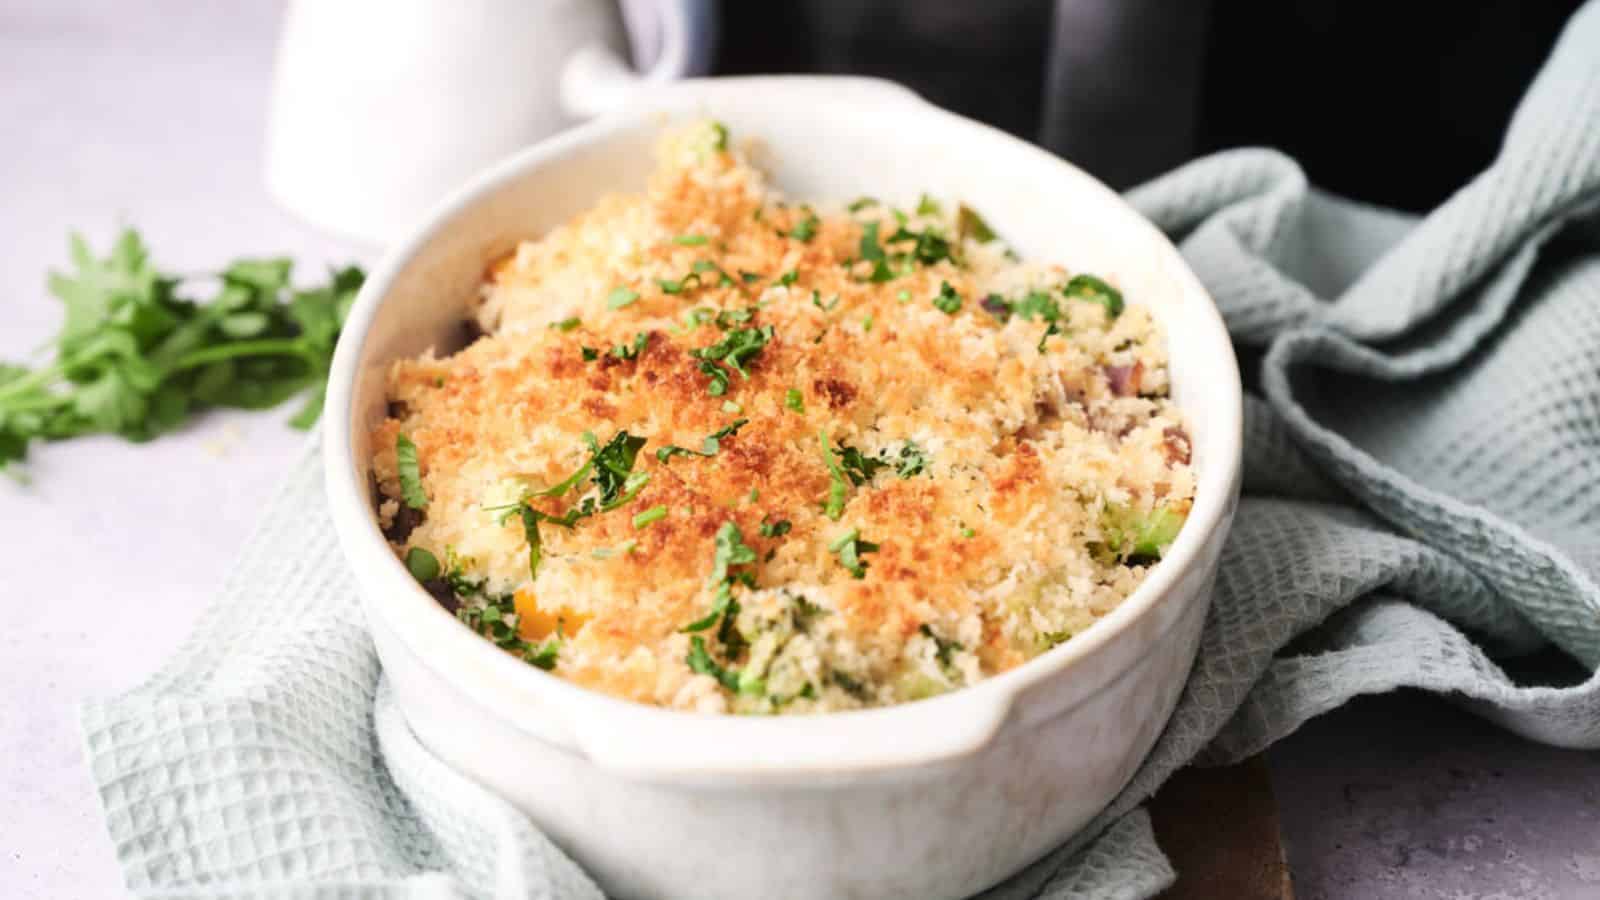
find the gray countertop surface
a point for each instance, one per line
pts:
(150, 113)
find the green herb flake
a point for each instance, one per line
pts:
(927, 206)
(719, 137)
(708, 447)
(749, 277)
(903, 296)
(816, 300)
(943, 649)
(645, 519)
(422, 565)
(620, 297)
(806, 229)
(775, 529)
(789, 277)
(691, 240)
(838, 482)
(967, 532)
(1094, 290)
(911, 461)
(947, 301)
(794, 400)
(874, 253)
(567, 324)
(861, 203)
(632, 351)
(849, 547)
(732, 408)
(866, 323)
(590, 354)
(405, 454)
(736, 349)
(621, 549)
(701, 663)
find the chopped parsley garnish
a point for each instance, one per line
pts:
(749, 277)
(422, 565)
(701, 663)
(719, 137)
(849, 547)
(775, 529)
(653, 514)
(793, 399)
(728, 406)
(731, 552)
(911, 461)
(806, 229)
(669, 286)
(1033, 305)
(789, 277)
(967, 532)
(942, 649)
(735, 349)
(496, 619)
(873, 252)
(405, 455)
(690, 240)
(567, 324)
(903, 296)
(927, 206)
(1088, 287)
(610, 467)
(632, 351)
(839, 483)
(620, 297)
(728, 318)
(947, 301)
(590, 354)
(621, 549)
(927, 246)
(709, 447)
(858, 466)
(866, 323)
(861, 203)
(816, 300)
(701, 267)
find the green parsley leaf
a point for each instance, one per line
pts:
(942, 648)
(701, 663)
(422, 565)
(967, 532)
(816, 300)
(735, 349)
(873, 252)
(405, 454)
(911, 462)
(928, 246)
(621, 549)
(927, 206)
(866, 323)
(838, 484)
(718, 385)
(789, 277)
(849, 547)
(137, 359)
(775, 529)
(620, 297)
(858, 467)
(861, 203)
(719, 137)
(709, 447)
(948, 301)
(690, 240)
(794, 400)
(728, 318)
(749, 277)
(653, 514)
(728, 406)
(1050, 639)
(1092, 289)
(669, 286)
(530, 532)
(632, 351)
(806, 229)
(590, 354)
(567, 324)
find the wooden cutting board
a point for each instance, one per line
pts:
(1220, 829)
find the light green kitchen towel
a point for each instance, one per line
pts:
(1422, 498)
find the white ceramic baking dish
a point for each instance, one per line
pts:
(938, 798)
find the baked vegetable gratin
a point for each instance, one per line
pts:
(718, 451)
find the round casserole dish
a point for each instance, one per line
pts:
(937, 798)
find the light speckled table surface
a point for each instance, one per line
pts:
(151, 113)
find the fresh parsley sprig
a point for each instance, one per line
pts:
(137, 356)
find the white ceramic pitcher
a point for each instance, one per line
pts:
(381, 107)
